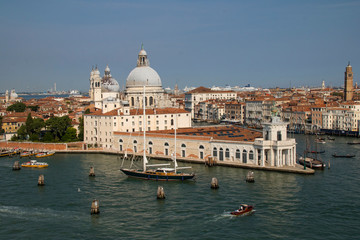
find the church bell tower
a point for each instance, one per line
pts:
(348, 85)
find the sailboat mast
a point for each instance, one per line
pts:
(175, 163)
(144, 129)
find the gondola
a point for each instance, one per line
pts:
(343, 156)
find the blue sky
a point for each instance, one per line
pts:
(191, 43)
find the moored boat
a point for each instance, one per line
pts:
(353, 143)
(311, 162)
(343, 156)
(244, 209)
(5, 153)
(44, 154)
(159, 174)
(27, 154)
(35, 164)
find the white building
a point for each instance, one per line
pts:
(99, 127)
(194, 97)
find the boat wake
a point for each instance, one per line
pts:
(35, 213)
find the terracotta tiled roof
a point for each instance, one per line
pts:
(228, 133)
(140, 112)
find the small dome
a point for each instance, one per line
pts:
(143, 76)
(110, 84)
(142, 52)
(13, 94)
(107, 69)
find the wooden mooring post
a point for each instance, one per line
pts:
(160, 193)
(250, 177)
(92, 172)
(16, 166)
(214, 183)
(95, 205)
(41, 180)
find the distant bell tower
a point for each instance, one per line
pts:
(348, 88)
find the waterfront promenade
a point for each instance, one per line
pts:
(80, 147)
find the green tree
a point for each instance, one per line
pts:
(37, 125)
(81, 129)
(1, 130)
(70, 135)
(17, 107)
(87, 111)
(29, 124)
(58, 126)
(22, 133)
(48, 137)
(33, 108)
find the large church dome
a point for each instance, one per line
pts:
(143, 74)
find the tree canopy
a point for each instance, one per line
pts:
(58, 126)
(17, 107)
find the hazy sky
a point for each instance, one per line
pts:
(191, 43)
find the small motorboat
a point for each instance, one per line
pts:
(322, 151)
(44, 154)
(353, 143)
(5, 153)
(244, 209)
(343, 156)
(320, 140)
(27, 154)
(35, 164)
(330, 138)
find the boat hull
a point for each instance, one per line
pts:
(248, 210)
(44, 155)
(34, 166)
(315, 164)
(157, 177)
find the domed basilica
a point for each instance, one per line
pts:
(105, 91)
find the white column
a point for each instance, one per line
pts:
(262, 157)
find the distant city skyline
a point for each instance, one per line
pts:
(190, 43)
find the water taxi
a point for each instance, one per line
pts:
(35, 164)
(5, 153)
(27, 154)
(44, 154)
(244, 209)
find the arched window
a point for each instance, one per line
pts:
(201, 147)
(166, 149)
(135, 142)
(150, 147)
(237, 154)
(151, 101)
(214, 152)
(132, 101)
(145, 101)
(251, 155)
(183, 150)
(244, 156)
(120, 144)
(221, 154)
(172, 122)
(227, 153)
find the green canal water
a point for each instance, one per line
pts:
(288, 206)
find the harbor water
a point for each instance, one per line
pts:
(325, 205)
